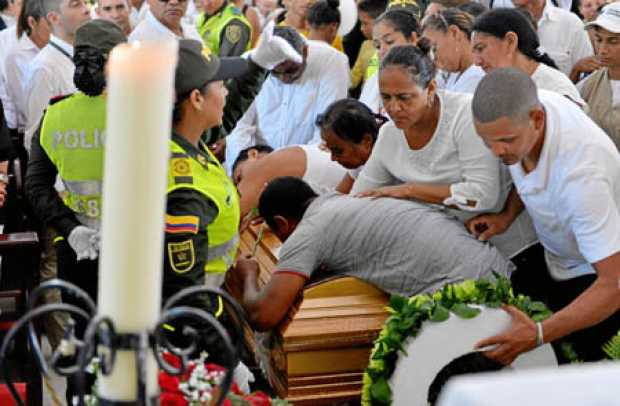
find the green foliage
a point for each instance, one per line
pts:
(407, 316)
(612, 347)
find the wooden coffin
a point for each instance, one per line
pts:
(318, 353)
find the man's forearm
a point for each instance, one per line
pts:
(594, 305)
(514, 205)
(250, 297)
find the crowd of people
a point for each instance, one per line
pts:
(436, 142)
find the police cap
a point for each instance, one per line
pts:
(197, 66)
(99, 34)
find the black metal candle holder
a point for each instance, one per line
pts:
(101, 333)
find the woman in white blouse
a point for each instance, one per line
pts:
(430, 151)
(505, 38)
(448, 33)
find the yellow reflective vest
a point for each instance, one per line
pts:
(209, 178)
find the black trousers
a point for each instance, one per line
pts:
(83, 274)
(532, 278)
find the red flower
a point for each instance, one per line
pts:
(215, 368)
(168, 383)
(172, 359)
(172, 399)
(258, 399)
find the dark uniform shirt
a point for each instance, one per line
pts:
(232, 44)
(40, 179)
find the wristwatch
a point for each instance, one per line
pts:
(4, 178)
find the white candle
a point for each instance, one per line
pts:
(139, 115)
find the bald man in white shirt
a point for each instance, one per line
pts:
(570, 185)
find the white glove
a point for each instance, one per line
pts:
(83, 240)
(273, 50)
(242, 376)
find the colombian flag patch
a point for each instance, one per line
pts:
(182, 224)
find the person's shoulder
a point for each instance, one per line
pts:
(548, 78)
(456, 105)
(138, 32)
(579, 140)
(566, 17)
(59, 99)
(191, 32)
(320, 51)
(585, 84)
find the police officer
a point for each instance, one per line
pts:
(202, 214)
(69, 144)
(224, 29)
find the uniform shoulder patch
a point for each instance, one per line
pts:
(180, 167)
(181, 256)
(233, 33)
(56, 99)
(182, 224)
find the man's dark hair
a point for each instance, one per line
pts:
(350, 120)
(324, 12)
(4, 4)
(374, 8)
(500, 21)
(292, 37)
(286, 196)
(245, 154)
(413, 59)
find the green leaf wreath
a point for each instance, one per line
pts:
(407, 315)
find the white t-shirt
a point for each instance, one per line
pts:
(466, 81)
(547, 78)
(573, 194)
(322, 174)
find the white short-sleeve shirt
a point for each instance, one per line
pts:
(573, 194)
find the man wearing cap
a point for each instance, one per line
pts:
(601, 90)
(69, 143)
